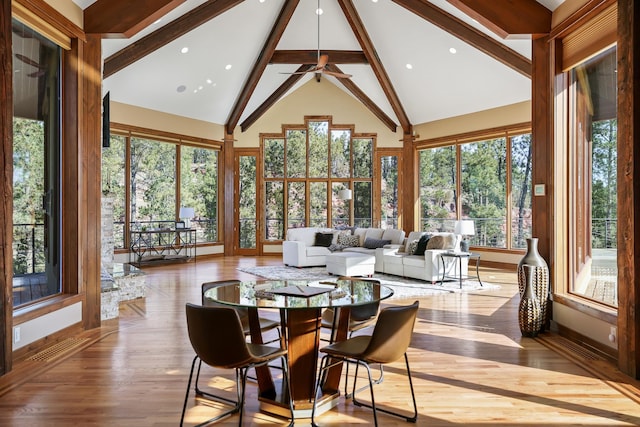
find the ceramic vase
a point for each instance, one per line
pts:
(529, 310)
(540, 279)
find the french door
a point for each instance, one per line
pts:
(247, 202)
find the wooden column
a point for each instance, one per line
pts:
(542, 145)
(628, 187)
(410, 200)
(89, 177)
(6, 186)
(228, 195)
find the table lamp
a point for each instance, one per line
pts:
(187, 214)
(344, 194)
(465, 227)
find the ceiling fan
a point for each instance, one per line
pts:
(323, 60)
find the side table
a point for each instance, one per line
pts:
(459, 256)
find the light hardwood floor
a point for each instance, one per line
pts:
(469, 362)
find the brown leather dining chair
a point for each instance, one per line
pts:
(266, 324)
(218, 339)
(387, 343)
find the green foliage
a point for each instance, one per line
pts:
(199, 189)
(318, 149)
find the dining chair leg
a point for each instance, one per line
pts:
(200, 392)
(411, 419)
(186, 397)
(348, 395)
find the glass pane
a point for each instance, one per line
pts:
(274, 158)
(389, 191)
(318, 149)
(36, 166)
(484, 191)
(318, 204)
(296, 208)
(274, 209)
(362, 200)
(340, 209)
(363, 158)
(113, 184)
(340, 153)
(247, 203)
(153, 184)
(595, 155)
(199, 190)
(437, 178)
(296, 153)
(521, 223)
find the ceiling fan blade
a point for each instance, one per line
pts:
(27, 60)
(338, 75)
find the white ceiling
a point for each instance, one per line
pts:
(440, 85)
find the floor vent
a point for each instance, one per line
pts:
(59, 349)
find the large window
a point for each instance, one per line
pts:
(593, 178)
(150, 179)
(305, 169)
(36, 166)
(484, 180)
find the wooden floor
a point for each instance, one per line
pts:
(470, 365)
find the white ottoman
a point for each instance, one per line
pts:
(350, 264)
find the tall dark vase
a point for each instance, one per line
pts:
(540, 279)
(529, 310)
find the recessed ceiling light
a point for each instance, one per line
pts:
(195, 91)
(409, 67)
(184, 50)
(319, 11)
(375, 1)
(261, 1)
(227, 67)
(199, 87)
(209, 81)
(181, 88)
(453, 50)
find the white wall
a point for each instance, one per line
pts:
(40, 327)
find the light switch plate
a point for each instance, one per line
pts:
(539, 190)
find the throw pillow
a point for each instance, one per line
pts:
(412, 247)
(436, 242)
(422, 244)
(449, 241)
(323, 239)
(371, 243)
(335, 247)
(348, 240)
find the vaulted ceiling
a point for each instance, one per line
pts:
(411, 61)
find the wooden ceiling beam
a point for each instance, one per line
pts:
(124, 18)
(261, 63)
(516, 18)
(168, 33)
(362, 97)
(367, 46)
(468, 34)
(311, 56)
(273, 98)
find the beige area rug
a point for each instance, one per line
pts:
(403, 287)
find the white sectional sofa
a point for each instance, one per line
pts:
(298, 249)
(428, 267)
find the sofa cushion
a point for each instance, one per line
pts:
(414, 235)
(411, 249)
(317, 251)
(442, 241)
(413, 260)
(371, 243)
(372, 233)
(348, 240)
(396, 236)
(323, 239)
(422, 244)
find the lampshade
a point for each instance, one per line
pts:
(344, 194)
(465, 227)
(187, 213)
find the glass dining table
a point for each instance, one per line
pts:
(300, 304)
